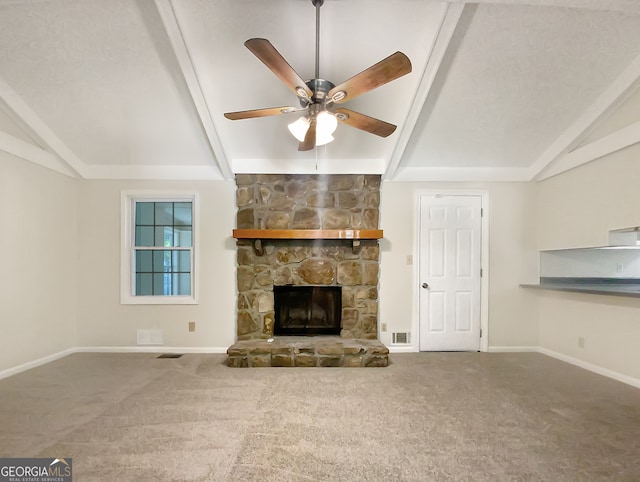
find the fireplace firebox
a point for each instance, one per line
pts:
(307, 310)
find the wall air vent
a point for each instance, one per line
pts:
(150, 337)
(401, 338)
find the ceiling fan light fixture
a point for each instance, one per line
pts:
(326, 125)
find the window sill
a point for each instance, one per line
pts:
(158, 300)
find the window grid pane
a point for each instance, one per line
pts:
(163, 272)
(163, 224)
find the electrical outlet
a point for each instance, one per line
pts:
(619, 268)
(192, 326)
(409, 259)
(384, 327)
(581, 342)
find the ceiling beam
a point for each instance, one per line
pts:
(187, 68)
(37, 130)
(30, 152)
(447, 27)
(614, 142)
(612, 98)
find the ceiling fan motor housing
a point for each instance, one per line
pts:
(320, 89)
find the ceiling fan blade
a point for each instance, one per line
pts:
(310, 137)
(267, 53)
(391, 68)
(364, 122)
(250, 114)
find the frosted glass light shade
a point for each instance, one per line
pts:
(299, 128)
(326, 124)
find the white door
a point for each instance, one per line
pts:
(450, 249)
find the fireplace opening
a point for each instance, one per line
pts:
(307, 310)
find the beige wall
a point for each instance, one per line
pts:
(577, 209)
(512, 258)
(38, 246)
(61, 278)
(104, 322)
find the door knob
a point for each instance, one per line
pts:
(425, 286)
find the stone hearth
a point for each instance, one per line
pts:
(308, 351)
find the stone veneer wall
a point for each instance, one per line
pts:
(308, 202)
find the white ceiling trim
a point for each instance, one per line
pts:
(309, 166)
(448, 25)
(614, 142)
(629, 6)
(29, 152)
(171, 26)
(463, 174)
(154, 173)
(36, 129)
(614, 96)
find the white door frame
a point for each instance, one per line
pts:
(484, 259)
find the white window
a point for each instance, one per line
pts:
(158, 248)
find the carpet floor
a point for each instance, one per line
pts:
(428, 416)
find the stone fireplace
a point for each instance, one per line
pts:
(303, 204)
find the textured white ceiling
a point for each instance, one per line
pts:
(500, 89)
(519, 75)
(93, 72)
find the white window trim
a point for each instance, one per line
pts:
(126, 247)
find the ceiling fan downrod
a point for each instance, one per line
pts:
(317, 4)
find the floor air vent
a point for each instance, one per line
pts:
(170, 355)
(401, 338)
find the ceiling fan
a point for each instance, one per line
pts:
(318, 96)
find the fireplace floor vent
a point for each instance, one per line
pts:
(401, 338)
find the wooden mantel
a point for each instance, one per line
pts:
(355, 235)
(307, 233)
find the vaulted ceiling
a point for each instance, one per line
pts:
(136, 89)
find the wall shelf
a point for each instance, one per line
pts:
(354, 235)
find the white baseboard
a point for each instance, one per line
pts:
(35, 363)
(513, 349)
(492, 349)
(634, 382)
(402, 349)
(150, 349)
